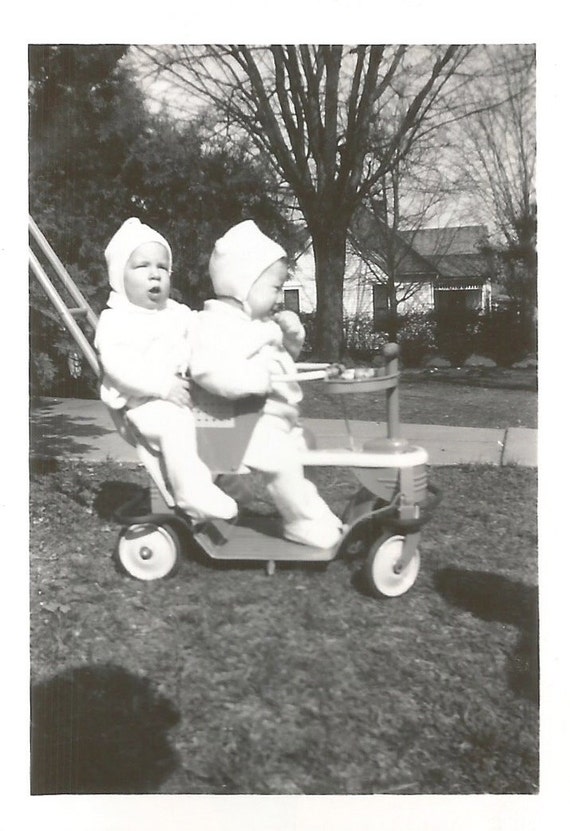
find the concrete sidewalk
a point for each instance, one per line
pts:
(71, 428)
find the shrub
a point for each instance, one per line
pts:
(308, 321)
(42, 374)
(501, 335)
(361, 339)
(416, 337)
(457, 334)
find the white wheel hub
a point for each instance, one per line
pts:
(386, 575)
(147, 552)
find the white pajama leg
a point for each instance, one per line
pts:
(275, 450)
(306, 516)
(173, 429)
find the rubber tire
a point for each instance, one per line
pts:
(383, 555)
(159, 545)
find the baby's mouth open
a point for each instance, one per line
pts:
(154, 291)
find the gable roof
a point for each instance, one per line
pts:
(456, 251)
(372, 238)
(453, 252)
(457, 239)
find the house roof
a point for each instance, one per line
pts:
(374, 240)
(451, 252)
(458, 239)
(454, 251)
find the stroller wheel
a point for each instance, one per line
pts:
(147, 551)
(382, 571)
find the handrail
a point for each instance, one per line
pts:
(67, 317)
(64, 311)
(61, 272)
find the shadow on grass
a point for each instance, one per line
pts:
(114, 497)
(100, 729)
(495, 598)
(42, 465)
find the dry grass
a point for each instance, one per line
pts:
(494, 398)
(222, 680)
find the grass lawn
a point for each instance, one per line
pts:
(220, 679)
(476, 397)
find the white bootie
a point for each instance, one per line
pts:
(313, 532)
(211, 503)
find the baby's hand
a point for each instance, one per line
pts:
(179, 392)
(293, 331)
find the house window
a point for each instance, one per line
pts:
(380, 305)
(457, 301)
(291, 299)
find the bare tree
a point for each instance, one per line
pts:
(332, 120)
(498, 164)
(407, 198)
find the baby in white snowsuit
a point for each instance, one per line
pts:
(144, 340)
(239, 346)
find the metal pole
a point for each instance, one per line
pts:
(66, 315)
(391, 352)
(61, 272)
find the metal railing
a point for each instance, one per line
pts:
(68, 314)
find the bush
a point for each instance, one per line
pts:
(42, 374)
(457, 334)
(361, 339)
(501, 335)
(49, 373)
(416, 337)
(308, 321)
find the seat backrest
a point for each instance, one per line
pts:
(224, 427)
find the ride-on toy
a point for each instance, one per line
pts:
(383, 519)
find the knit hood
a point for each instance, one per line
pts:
(130, 235)
(238, 259)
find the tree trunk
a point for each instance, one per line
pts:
(329, 246)
(392, 319)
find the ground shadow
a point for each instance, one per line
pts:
(42, 465)
(495, 598)
(359, 582)
(121, 500)
(57, 434)
(100, 730)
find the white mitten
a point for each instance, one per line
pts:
(293, 331)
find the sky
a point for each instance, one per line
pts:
(444, 163)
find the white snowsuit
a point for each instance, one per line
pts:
(234, 356)
(141, 351)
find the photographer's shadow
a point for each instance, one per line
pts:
(495, 598)
(100, 730)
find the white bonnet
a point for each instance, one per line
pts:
(238, 259)
(130, 235)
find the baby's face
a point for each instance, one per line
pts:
(265, 294)
(147, 276)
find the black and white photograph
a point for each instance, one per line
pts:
(282, 391)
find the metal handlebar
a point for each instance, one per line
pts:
(314, 375)
(307, 365)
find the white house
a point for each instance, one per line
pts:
(444, 269)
